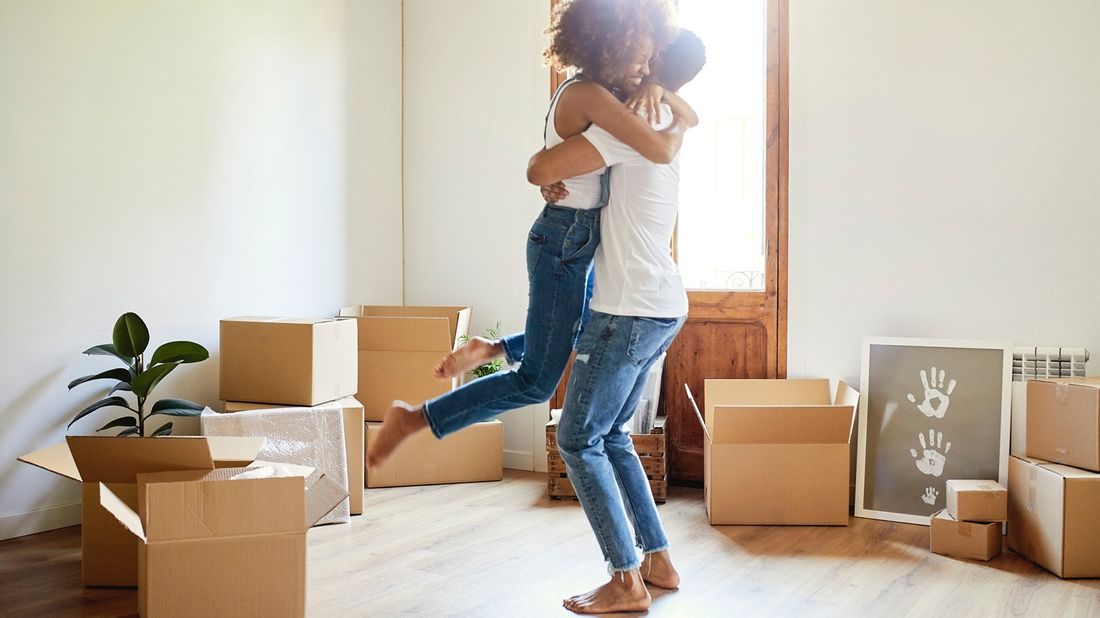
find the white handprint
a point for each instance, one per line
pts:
(932, 461)
(930, 495)
(932, 385)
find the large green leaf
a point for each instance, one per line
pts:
(123, 375)
(108, 349)
(130, 336)
(122, 421)
(129, 431)
(179, 351)
(147, 380)
(177, 407)
(121, 386)
(163, 430)
(102, 403)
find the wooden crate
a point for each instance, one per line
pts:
(650, 448)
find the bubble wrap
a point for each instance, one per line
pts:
(305, 436)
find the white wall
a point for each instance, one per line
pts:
(187, 161)
(943, 181)
(476, 93)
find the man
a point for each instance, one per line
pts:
(637, 308)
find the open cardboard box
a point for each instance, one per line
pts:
(354, 441)
(776, 451)
(290, 361)
(398, 351)
(227, 542)
(110, 553)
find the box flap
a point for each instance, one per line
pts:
(118, 460)
(234, 451)
(322, 495)
(698, 414)
(781, 424)
(120, 511)
(226, 502)
(377, 335)
(272, 320)
(848, 396)
(766, 392)
(57, 459)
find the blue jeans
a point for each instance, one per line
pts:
(614, 356)
(560, 248)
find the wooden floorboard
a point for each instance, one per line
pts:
(504, 549)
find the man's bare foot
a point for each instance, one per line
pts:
(401, 421)
(657, 570)
(475, 352)
(626, 592)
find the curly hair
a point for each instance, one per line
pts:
(601, 37)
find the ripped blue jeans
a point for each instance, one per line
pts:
(614, 355)
(560, 248)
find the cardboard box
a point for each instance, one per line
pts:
(1063, 421)
(231, 542)
(963, 539)
(399, 348)
(110, 553)
(776, 451)
(969, 500)
(470, 455)
(288, 361)
(1052, 515)
(354, 442)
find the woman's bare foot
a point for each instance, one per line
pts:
(475, 352)
(657, 570)
(401, 421)
(626, 592)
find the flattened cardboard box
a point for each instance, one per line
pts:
(231, 542)
(1063, 421)
(399, 348)
(109, 554)
(290, 361)
(1052, 516)
(354, 441)
(470, 455)
(977, 500)
(776, 452)
(963, 539)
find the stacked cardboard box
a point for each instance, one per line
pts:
(776, 452)
(970, 526)
(1054, 491)
(309, 363)
(110, 553)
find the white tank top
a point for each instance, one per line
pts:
(584, 190)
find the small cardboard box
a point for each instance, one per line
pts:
(963, 539)
(399, 348)
(354, 441)
(982, 501)
(473, 454)
(288, 361)
(776, 451)
(110, 553)
(1052, 515)
(231, 542)
(1063, 421)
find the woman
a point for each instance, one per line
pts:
(610, 43)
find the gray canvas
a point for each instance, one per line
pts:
(918, 437)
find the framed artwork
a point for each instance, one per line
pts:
(931, 410)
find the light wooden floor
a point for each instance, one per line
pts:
(503, 549)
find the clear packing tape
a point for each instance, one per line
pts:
(311, 437)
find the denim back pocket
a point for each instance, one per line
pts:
(649, 337)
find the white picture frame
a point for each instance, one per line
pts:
(888, 486)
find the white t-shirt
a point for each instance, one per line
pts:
(635, 274)
(585, 190)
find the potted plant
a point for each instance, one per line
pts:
(139, 376)
(492, 366)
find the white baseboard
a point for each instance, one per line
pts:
(518, 460)
(40, 520)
